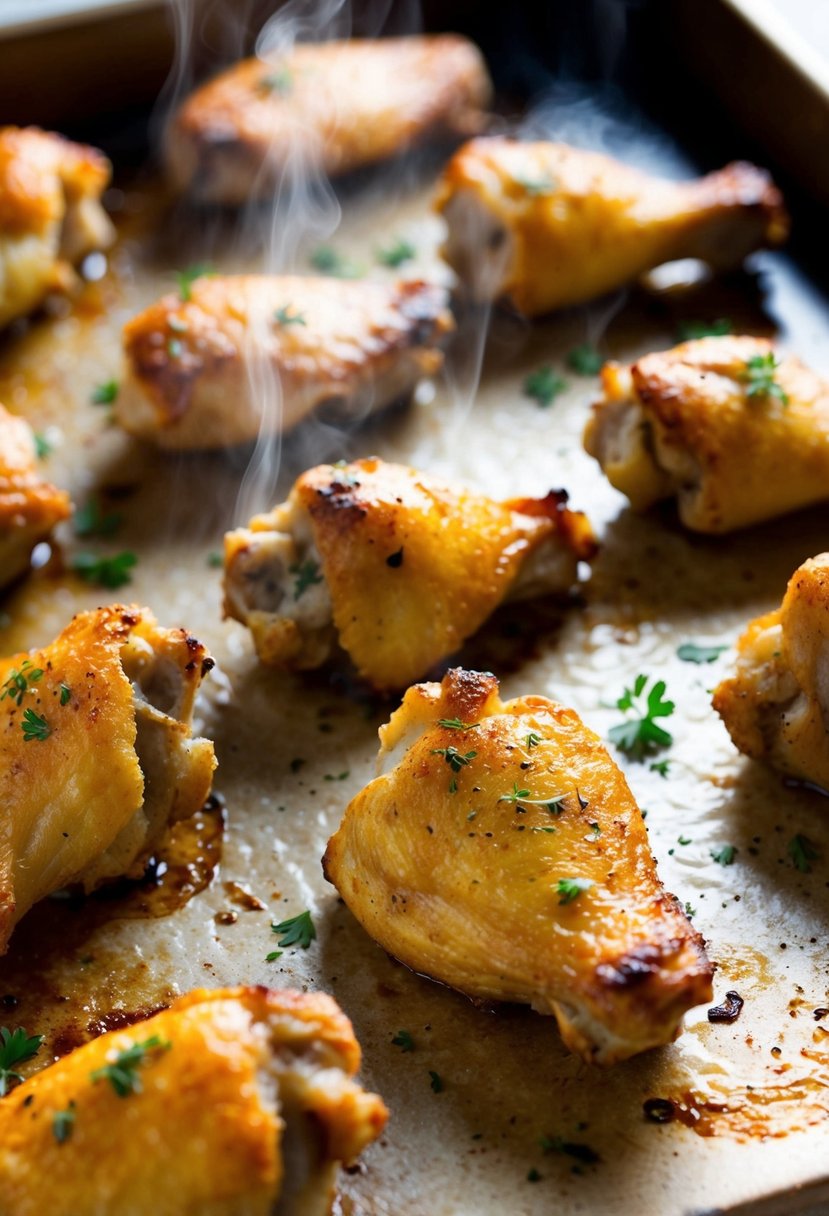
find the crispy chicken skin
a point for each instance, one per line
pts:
(682, 423)
(29, 506)
(258, 353)
(397, 566)
(88, 797)
(456, 876)
(776, 705)
(50, 215)
(342, 104)
(547, 226)
(247, 1098)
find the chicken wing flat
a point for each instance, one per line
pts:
(776, 705)
(96, 754)
(198, 370)
(396, 566)
(342, 104)
(50, 215)
(224, 1103)
(501, 852)
(29, 506)
(734, 434)
(547, 226)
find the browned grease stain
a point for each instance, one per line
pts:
(243, 898)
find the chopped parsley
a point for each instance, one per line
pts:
(569, 889)
(186, 278)
(689, 911)
(532, 740)
(105, 394)
(35, 726)
(329, 261)
(398, 252)
(585, 360)
(436, 1082)
(18, 681)
(552, 802)
(683, 840)
(65, 694)
(43, 447)
(660, 766)
(456, 724)
(403, 1040)
(759, 378)
(456, 761)
(110, 572)
(281, 81)
(15, 1047)
(307, 575)
(691, 652)
(725, 855)
(215, 559)
(544, 385)
(640, 736)
(123, 1073)
(802, 852)
(688, 330)
(296, 931)
(336, 776)
(63, 1122)
(273, 956)
(284, 316)
(90, 520)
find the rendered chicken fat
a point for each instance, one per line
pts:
(501, 852)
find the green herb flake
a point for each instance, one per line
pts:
(532, 740)
(186, 279)
(337, 776)
(585, 360)
(569, 889)
(43, 447)
(63, 1123)
(273, 956)
(329, 261)
(285, 316)
(16, 1046)
(640, 736)
(296, 931)
(456, 724)
(65, 694)
(395, 254)
(691, 652)
(35, 727)
(684, 840)
(552, 802)
(105, 394)
(724, 856)
(759, 378)
(802, 851)
(19, 681)
(689, 330)
(110, 572)
(307, 575)
(436, 1082)
(215, 560)
(90, 520)
(689, 911)
(403, 1040)
(660, 766)
(544, 386)
(455, 759)
(123, 1072)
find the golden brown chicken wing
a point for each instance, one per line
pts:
(50, 215)
(501, 852)
(226, 1102)
(29, 506)
(342, 105)
(258, 353)
(776, 705)
(719, 423)
(96, 754)
(398, 567)
(547, 226)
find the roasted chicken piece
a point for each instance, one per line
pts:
(396, 566)
(776, 705)
(719, 423)
(339, 105)
(29, 506)
(225, 1103)
(96, 754)
(255, 354)
(50, 215)
(546, 226)
(501, 852)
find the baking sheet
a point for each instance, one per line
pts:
(293, 751)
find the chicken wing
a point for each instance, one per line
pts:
(341, 104)
(398, 567)
(258, 353)
(96, 754)
(776, 705)
(50, 215)
(226, 1102)
(29, 506)
(547, 226)
(734, 434)
(501, 852)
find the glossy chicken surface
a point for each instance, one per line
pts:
(501, 852)
(252, 354)
(547, 226)
(50, 215)
(330, 107)
(244, 1096)
(96, 754)
(29, 506)
(776, 705)
(397, 566)
(690, 423)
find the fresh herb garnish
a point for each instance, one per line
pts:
(281, 81)
(296, 931)
(544, 385)
(660, 766)
(398, 252)
(105, 394)
(215, 560)
(336, 776)
(35, 726)
(640, 736)
(456, 724)
(273, 956)
(436, 1082)
(456, 761)
(123, 1073)
(585, 360)
(689, 911)
(186, 278)
(15, 1047)
(802, 851)
(683, 840)
(43, 447)
(329, 261)
(725, 855)
(19, 680)
(90, 520)
(569, 889)
(403, 1040)
(65, 694)
(532, 740)
(691, 652)
(284, 316)
(108, 572)
(759, 378)
(307, 575)
(63, 1121)
(688, 330)
(552, 802)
